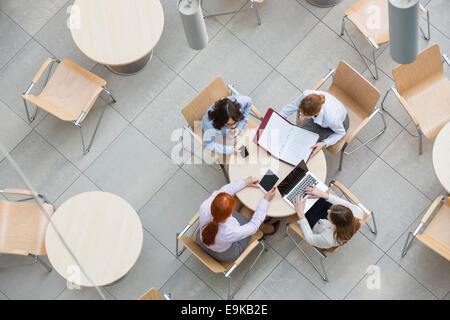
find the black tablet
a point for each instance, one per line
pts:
(268, 181)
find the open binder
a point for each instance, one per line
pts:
(284, 140)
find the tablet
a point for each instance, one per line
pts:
(268, 181)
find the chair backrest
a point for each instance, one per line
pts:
(360, 12)
(151, 294)
(191, 244)
(356, 87)
(437, 234)
(197, 107)
(426, 67)
(22, 227)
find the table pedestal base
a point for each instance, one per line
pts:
(324, 3)
(132, 68)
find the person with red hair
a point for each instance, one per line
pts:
(224, 233)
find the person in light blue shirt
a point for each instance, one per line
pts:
(224, 120)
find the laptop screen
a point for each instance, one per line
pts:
(292, 178)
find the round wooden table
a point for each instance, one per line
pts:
(441, 157)
(104, 233)
(257, 163)
(120, 34)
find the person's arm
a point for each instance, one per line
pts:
(357, 212)
(338, 133)
(232, 187)
(315, 239)
(209, 137)
(250, 228)
(291, 107)
(246, 103)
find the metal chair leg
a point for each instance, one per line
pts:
(36, 259)
(324, 274)
(374, 75)
(426, 36)
(341, 157)
(344, 20)
(374, 229)
(222, 166)
(106, 89)
(231, 296)
(255, 8)
(407, 243)
(419, 132)
(86, 150)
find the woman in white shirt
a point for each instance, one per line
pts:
(224, 233)
(331, 222)
(322, 113)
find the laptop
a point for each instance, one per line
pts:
(295, 183)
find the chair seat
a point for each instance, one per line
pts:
(361, 15)
(70, 90)
(430, 103)
(437, 233)
(23, 227)
(356, 116)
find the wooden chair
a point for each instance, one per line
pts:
(253, 6)
(227, 268)
(23, 226)
(436, 235)
(360, 98)
(193, 113)
(295, 227)
(422, 88)
(360, 13)
(69, 94)
(153, 294)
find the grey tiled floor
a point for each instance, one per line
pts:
(296, 44)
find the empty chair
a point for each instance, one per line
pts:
(69, 94)
(253, 6)
(360, 98)
(423, 90)
(436, 235)
(197, 107)
(23, 226)
(294, 226)
(226, 268)
(364, 15)
(153, 294)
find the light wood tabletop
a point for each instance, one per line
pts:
(441, 157)
(257, 163)
(103, 231)
(116, 32)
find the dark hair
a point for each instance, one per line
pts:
(221, 208)
(311, 104)
(223, 110)
(346, 224)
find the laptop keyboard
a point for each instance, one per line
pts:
(306, 182)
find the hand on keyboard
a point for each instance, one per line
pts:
(299, 205)
(315, 192)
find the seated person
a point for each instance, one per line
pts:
(224, 233)
(322, 113)
(225, 119)
(330, 222)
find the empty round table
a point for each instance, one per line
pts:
(120, 34)
(441, 157)
(257, 163)
(104, 233)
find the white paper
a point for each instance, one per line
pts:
(286, 141)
